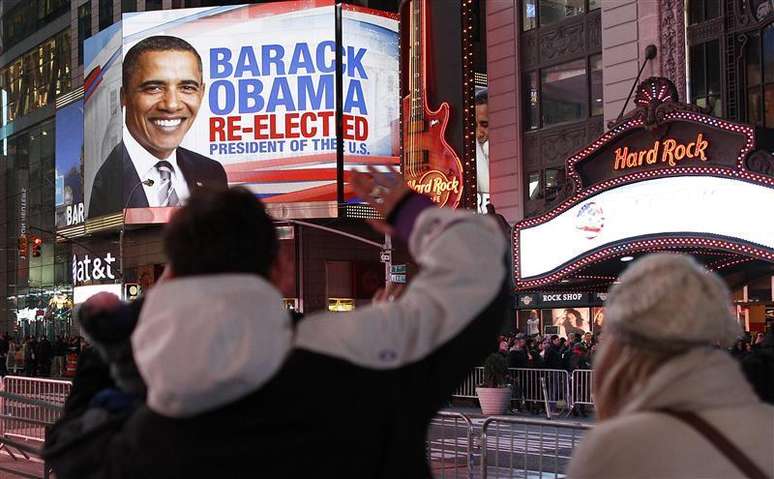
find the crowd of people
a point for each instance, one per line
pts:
(549, 351)
(37, 356)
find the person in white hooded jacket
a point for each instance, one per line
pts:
(671, 404)
(231, 386)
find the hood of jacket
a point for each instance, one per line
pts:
(205, 341)
(703, 378)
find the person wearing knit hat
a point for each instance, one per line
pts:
(658, 372)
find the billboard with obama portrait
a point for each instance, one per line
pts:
(216, 97)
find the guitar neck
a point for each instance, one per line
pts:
(417, 61)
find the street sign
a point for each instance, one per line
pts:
(386, 256)
(398, 278)
(398, 269)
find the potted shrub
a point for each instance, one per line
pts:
(494, 395)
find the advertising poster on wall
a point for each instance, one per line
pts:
(597, 319)
(239, 96)
(69, 165)
(567, 320)
(482, 148)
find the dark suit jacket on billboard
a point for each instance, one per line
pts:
(118, 174)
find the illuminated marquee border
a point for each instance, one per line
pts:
(635, 122)
(647, 245)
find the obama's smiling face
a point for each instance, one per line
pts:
(162, 96)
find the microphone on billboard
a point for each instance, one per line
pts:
(148, 182)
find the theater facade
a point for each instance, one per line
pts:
(667, 176)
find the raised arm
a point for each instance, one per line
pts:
(461, 256)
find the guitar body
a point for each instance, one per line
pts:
(432, 167)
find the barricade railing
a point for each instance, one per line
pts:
(450, 445)
(22, 444)
(521, 447)
(500, 446)
(528, 385)
(581, 387)
(468, 387)
(29, 404)
(561, 386)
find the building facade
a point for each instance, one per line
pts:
(561, 72)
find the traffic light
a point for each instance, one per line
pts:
(23, 246)
(36, 244)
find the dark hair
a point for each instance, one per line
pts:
(554, 337)
(482, 97)
(225, 231)
(158, 43)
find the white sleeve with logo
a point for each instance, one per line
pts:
(461, 259)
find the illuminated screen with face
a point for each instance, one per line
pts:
(215, 97)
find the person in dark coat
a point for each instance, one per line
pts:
(758, 367)
(31, 357)
(4, 346)
(518, 358)
(45, 354)
(228, 379)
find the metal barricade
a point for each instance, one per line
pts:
(527, 385)
(527, 448)
(26, 419)
(581, 387)
(450, 446)
(468, 387)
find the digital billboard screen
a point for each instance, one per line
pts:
(69, 165)
(236, 96)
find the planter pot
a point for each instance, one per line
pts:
(494, 401)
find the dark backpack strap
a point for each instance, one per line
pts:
(720, 441)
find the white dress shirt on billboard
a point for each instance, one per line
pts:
(482, 175)
(145, 165)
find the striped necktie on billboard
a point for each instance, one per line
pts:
(166, 190)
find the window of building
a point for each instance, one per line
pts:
(534, 189)
(128, 6)
(550, 12)
(34, 79)
(759, 76)
(528, 14)
(152, 5)
(705, 76)
(553, 11)
(703, 10)
(554, 183)
(105, 14)
(564, 92)
(84, 28)
(177, 3)
(595, 80)
(557, 97)
(28, 16)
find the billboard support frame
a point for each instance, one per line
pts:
(339, 107)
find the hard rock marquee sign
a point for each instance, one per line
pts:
(667, 175)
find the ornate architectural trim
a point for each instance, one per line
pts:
(672, 48)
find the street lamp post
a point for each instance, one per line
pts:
(148, 182)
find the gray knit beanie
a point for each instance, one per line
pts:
(669, 301)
